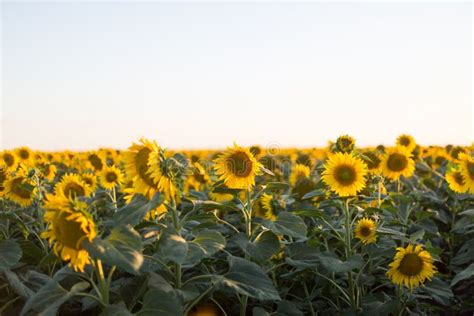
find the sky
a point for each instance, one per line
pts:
(83, 75)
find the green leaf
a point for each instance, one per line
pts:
(211, 206)
(31, 253)
(262, 249)
(160, 302)
(134, 212)
(301, 255)
(204, 245)
(122, 248)
(467, 212)
(275, 186)
(314, 193)
(464, 274)
(439, 291)
(248, 278)
(10, 254)
(417, 235)
(331, 263)
(287, 308)
(288, 224)
(172, 248)
(50, 297)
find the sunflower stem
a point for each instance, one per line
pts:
(103, 285)
(177, 228)
(350, 280)
(248, 232)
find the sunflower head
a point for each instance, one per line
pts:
(344, 174)
(299, 172)
(25, 156)
(344, 144)
(90, 180)
(456, 180)
(411, 266)
(406, 141)
(9, 160)
(455, 151)
(69, 224)
(95, 161)
(268, 206)
(168, 172)
(49, 171)
(237, 167)
(372, 160)
(397, 162)
(72, 186)
(19, 188)
(3, 178)
(365, 230)
(136, 167)
(111, 177)
(466, 162)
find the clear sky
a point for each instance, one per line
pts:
(81, 75)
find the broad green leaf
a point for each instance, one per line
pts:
(50, 297)
(134, 212)
(160, 302)
(439, 291)
(302, 255)
(287, 308)
(10, 254)
(211, 205)
(172, 248)
(464, 274)
(248, 278)
(122, 248)
(467, 212)
(417, 235)
(116, 310)
(288, 224)
(204, 245)
(314, 193)
(333, 264)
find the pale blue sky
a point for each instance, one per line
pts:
(86, 74)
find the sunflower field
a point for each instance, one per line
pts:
(241, 231)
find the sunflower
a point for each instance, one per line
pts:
(344, 144)
(406, 141)
(467, 170)
(299, 172)
(269, 211)
(365, 230)
(372, 160)
(49, 171)
(3, 178)
(238, 167)
(456, 181)
(164, 172)
(111, 177)
(95, 161)
(20, 189)
(198, 179)
(72, 186)
(25, 156)
(411, 266)
(90, 179)
(344, 174)
(157, 212)
(397, 162)
(8, 159)
(136, 167)
(69, 224)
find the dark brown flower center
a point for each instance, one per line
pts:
(458, 178)
(9, 159)
(345, 174)
(239, 164)
(24, 154)
(470, 169)
(73, 190)
(365, 231)
(404, 141)
(411, 264)
(397, 162)
(111, 177)
(371, 160)
(96, 162)
(21, 189)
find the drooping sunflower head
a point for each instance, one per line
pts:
(19, 188)
(344, 174)
(372, 160)
(199, 177)
(467, 170)
(344, 144)
(49, 171)
(69, 224)
(136, 166)
(298, 172)
(111, 177)
(72, 186)
(168, 172)
(365, 230)
(268, 206)
(411, 266)
(406, 141)
(25, 156)
(237, 167)
(9, 159)
(456, 181)
(397, 162)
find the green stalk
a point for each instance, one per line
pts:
(248, 232)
